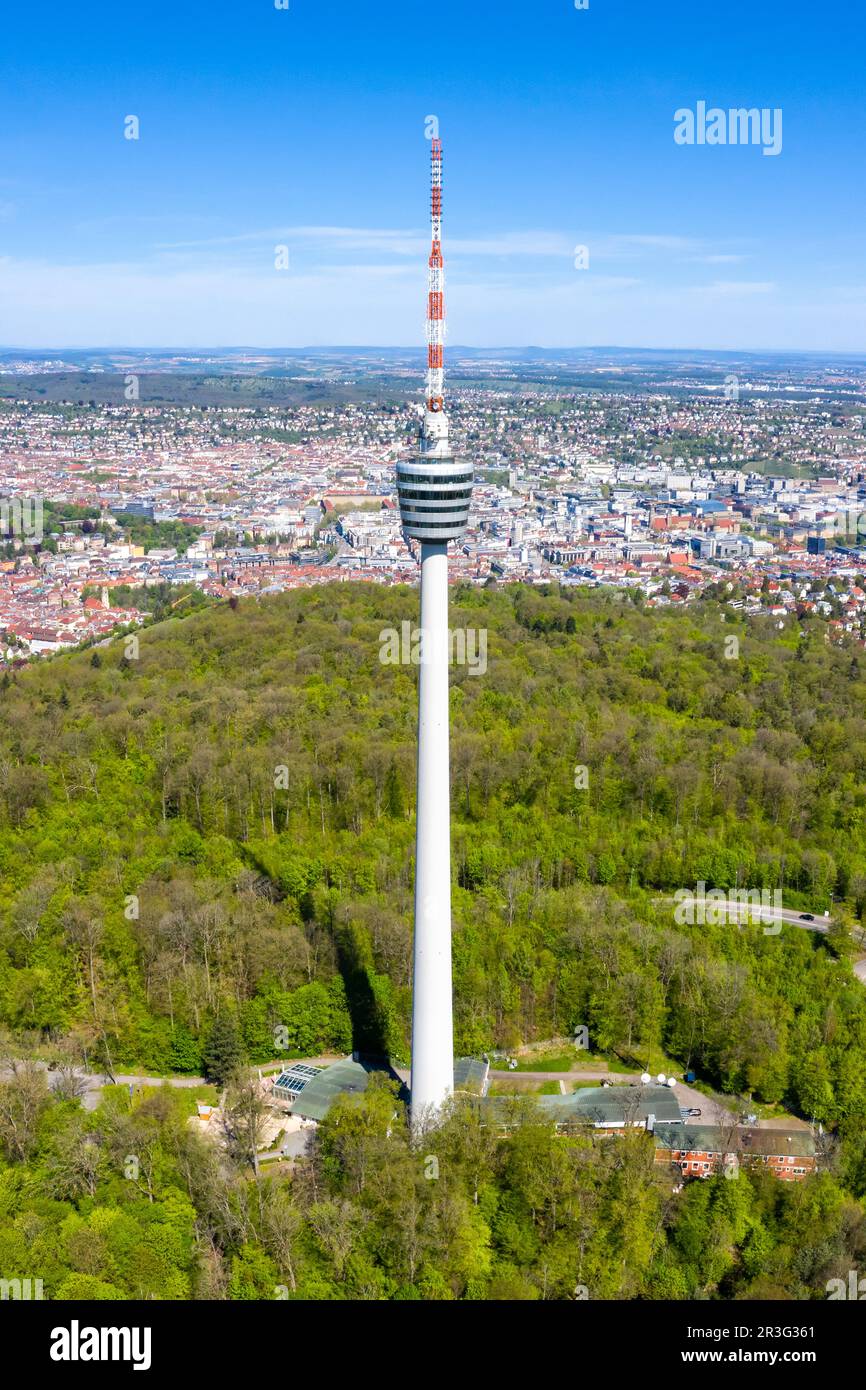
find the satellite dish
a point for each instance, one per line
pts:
(645, 1077)
(661, 1078)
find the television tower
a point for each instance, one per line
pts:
(434, 491)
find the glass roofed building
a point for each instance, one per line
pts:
(613, 1107)
(310, 1091)
(291, 1082)
(346, 1077)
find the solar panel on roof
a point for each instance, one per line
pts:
(293, 1080)
(288, 1083)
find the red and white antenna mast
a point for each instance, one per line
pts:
(436, 288)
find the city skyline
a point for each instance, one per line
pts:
(298, 129)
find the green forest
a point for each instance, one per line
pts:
(215, 840)
(130, 1203)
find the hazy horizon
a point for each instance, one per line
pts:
(227, 349)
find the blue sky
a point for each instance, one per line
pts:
(305, 128)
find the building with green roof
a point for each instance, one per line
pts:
(344, 1078)
(603, 1107)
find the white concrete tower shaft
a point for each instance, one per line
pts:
(432, 1024)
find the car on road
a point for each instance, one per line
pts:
(807, 917)
(694, 1111)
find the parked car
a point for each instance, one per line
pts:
(694, 1111)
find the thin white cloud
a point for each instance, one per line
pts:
(354, 237)
(735, 287)
(401, 242)
(404, 270)
(538, 244)
(657, 242)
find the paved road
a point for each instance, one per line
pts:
(294, 1145)
(123, 1079)
(795, 919)
(599, 1074)
(687, 1097)
(792, 916)
(94, 1081)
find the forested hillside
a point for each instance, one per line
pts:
(222, 830)
(224, 825)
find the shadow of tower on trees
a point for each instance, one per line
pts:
(369, 996)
